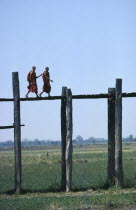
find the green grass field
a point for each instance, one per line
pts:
(41, 173)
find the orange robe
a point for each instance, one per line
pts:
(46, 82)
(31, 78)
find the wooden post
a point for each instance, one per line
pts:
(111, 137)
(69, 148)
(118, 135)
(63, 139)
(17, 132)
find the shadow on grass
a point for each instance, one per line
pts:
(52, 190)
(25, 191)
(105, 186)
(49, 190)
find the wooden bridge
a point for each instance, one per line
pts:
(114, 100)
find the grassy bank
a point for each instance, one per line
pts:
(41, 170)
(110, 199)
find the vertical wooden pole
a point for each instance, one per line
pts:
(63, 139)
(118, 135)
(111, 137)
(69, 148)
(17, 132)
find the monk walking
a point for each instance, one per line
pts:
(46, 82)
(31, 78)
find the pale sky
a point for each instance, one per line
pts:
(87, 44)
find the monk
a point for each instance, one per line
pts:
(46, 82)
(31, 78)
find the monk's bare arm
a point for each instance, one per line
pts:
(49, 79)
(39, 76)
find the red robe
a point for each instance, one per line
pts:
(31, 78)
(46, 82)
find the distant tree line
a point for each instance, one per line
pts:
(77, 141)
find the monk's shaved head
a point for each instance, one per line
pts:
(47, 68)
(33, 67)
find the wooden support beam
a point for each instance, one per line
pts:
(98, 96)
(42, 98)
(92, 96)
(128, 95)
(69, 147)
(6, 99)
(63, 139)
(33, 99)
(111, 137)
(118, 135)
(17, 132)
(8, 127)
